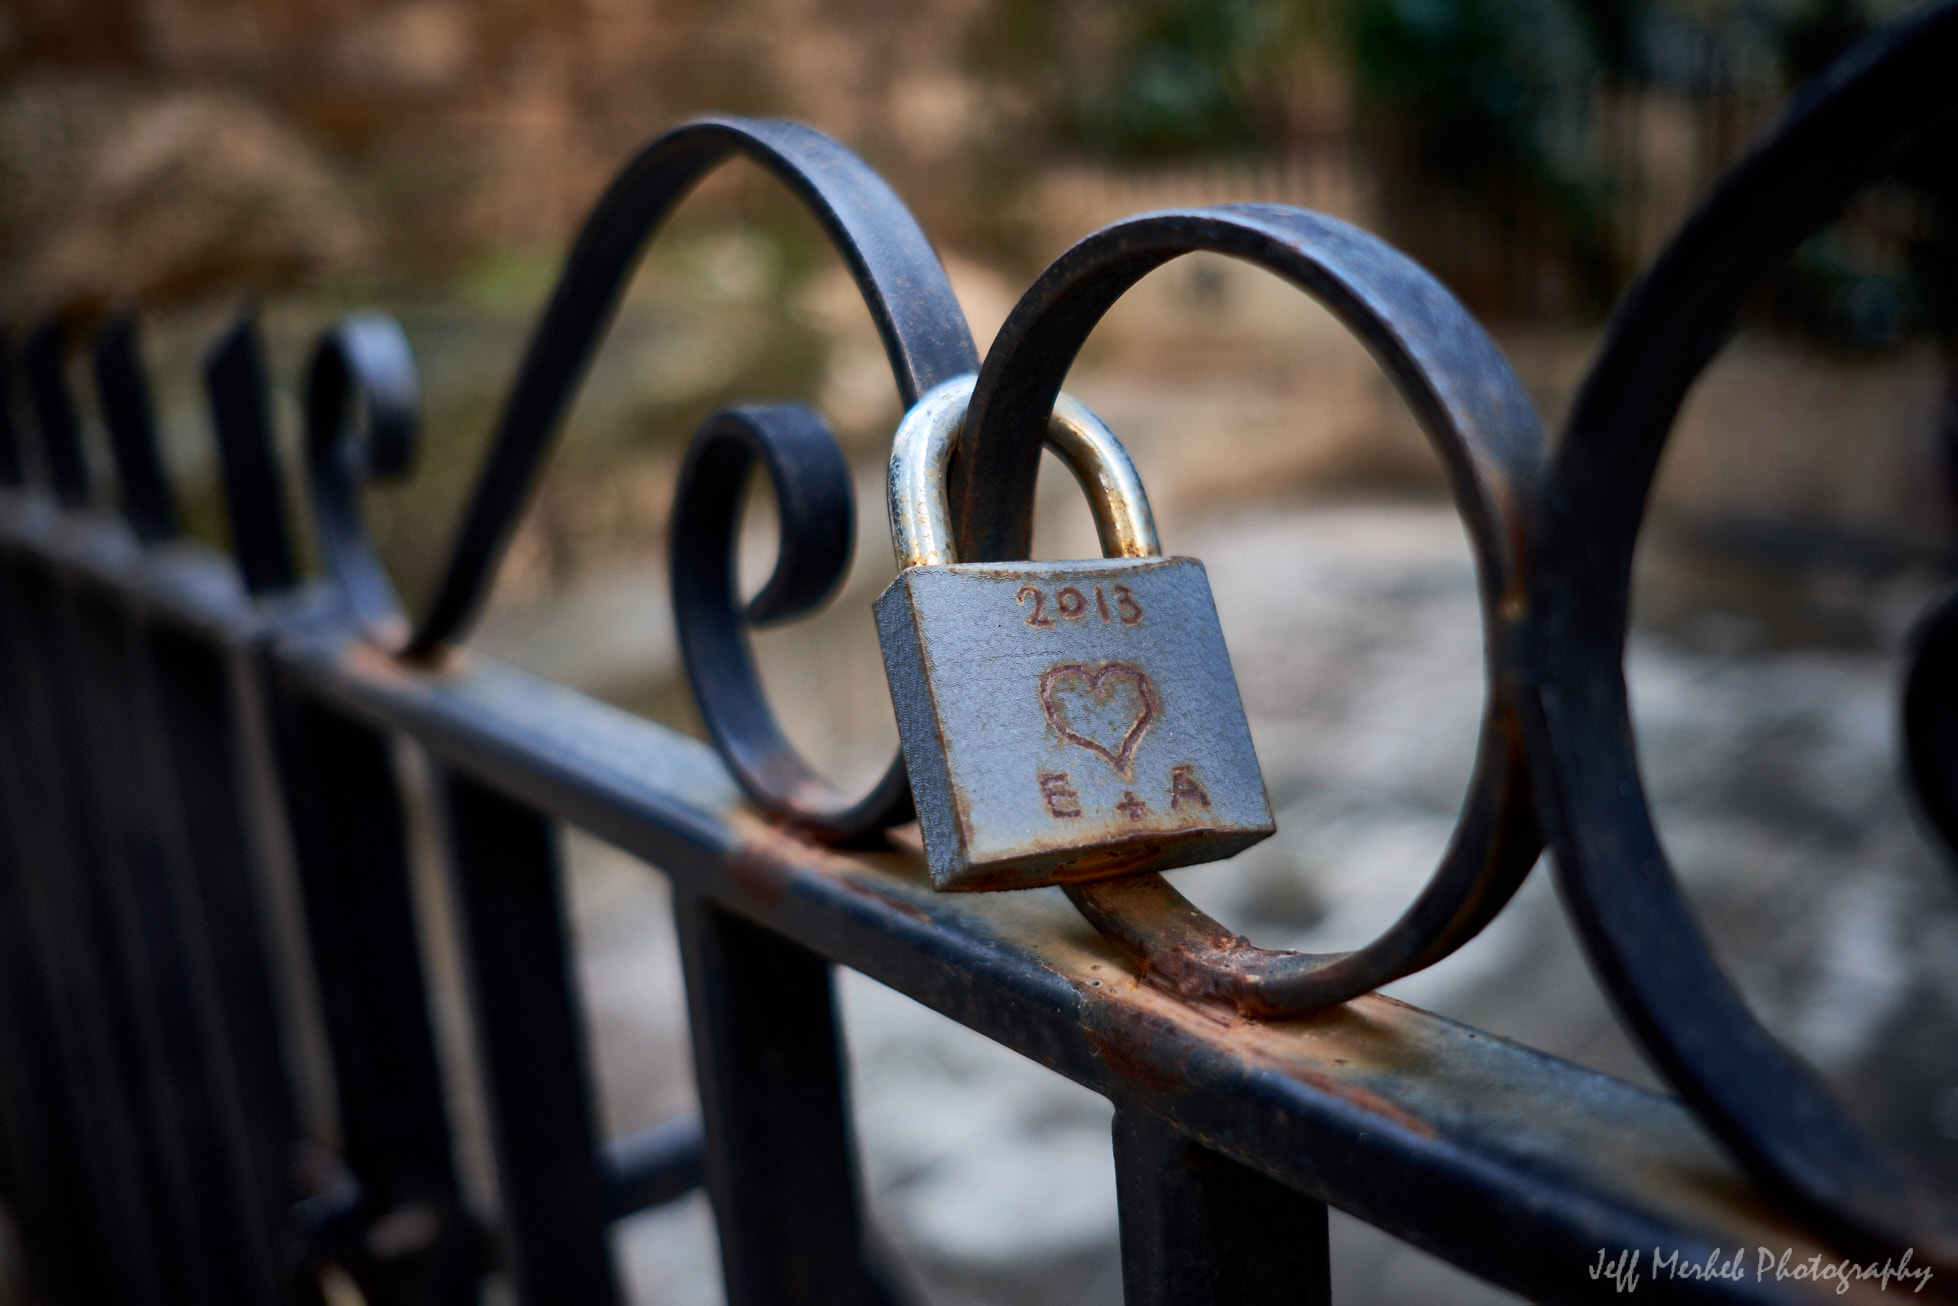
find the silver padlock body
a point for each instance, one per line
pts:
(1068, 721)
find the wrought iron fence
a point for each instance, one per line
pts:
(178, 724)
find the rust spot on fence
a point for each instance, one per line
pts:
(766, 862)
(1149, 1045)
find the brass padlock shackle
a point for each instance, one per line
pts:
(921, 456)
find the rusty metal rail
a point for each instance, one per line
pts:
(205, 828)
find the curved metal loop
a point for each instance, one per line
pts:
(363, 412)
(921, 459)
(1763, 1103)
(1486, 431)
(924, 332)
(925, 337)
(814, 501)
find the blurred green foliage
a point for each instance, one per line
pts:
(1187, 77)
(1512, 126)
(1887, 272)
(1496, 101)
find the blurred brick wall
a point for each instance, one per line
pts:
(163, 148)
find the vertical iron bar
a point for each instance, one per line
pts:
(43, 356)
(556, 1199)
(169, 850)
(781, 1164)
(349, 830)
(12, 471)
(1200, 1229)
(234, 381)
(46, 1148)
(190, 869)
(127, 412)
(202, 736)
(84, 974)
(117, 921)
(153, 916)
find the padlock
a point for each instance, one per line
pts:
(1061, 721)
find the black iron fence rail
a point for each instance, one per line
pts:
(1511, 1163)
(181, 734)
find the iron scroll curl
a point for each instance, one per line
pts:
(925, 337)
(363, 414)
(815, 510)
(910, 300)
(1487, 434)
(1766, 1106)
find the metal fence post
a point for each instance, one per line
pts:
(781, 1165)
(1200, 1229)
(556, 1200)
(63, 865)
(405, 1238)
(84, 1223)
(203, 739)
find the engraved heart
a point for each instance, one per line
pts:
(1083, 702)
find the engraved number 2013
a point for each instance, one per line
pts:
(1072, 604)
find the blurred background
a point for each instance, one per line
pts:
(434, 158)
